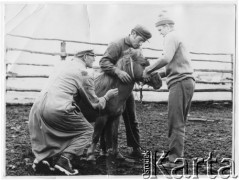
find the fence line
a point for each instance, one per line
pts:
(63, 55)
(135, 89)
(35, 52)
(47, 76)
(103, 44)
(196, 90)
(213, 82)
(212, 60)
(31, 64)
(222, 54)
(44, 53)
(72, 41)
(26, 76)
(213, 70)
(72, 54)
(55, 39)
(23, 90)
(52, 65)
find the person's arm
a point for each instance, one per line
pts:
(108, 61)
(97, 102)
(170, 48)
(162, 72)
(110, 58)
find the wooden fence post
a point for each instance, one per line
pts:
(232, 60)
(6, 69)
(6, 64)
(63, 50)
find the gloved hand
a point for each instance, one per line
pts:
(123, 76)
(146, 76)
(111, 93)
(155, 80)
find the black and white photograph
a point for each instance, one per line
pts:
(116, 89)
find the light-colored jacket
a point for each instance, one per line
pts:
(55, 119)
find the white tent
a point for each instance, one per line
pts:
(104, 22)
(47, 21)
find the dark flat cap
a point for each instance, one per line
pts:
(86, 52)
(142, 31)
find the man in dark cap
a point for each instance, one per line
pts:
(113, 53)
(56, 124)
(180, 81)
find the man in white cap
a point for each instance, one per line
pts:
(180, 82)
(56, 123)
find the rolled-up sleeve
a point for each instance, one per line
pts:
(110, 58)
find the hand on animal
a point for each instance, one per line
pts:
(146, 76)
(124, 76)
(111, 93)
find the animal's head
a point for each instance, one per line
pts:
(134, 63)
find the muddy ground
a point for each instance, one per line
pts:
(209, 129)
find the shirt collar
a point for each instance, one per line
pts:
(127, 41)
(169, 32)
(80, 61)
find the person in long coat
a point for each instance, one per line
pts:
(56, 124)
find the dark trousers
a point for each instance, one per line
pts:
(179, 102)
(131, 123)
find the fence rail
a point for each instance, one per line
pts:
(72, 54)
(103, 44)
(196, 90)
(63, 55)
(47, 76)
(135, 89)
(30, 64)
(27, 76)
(213, 70)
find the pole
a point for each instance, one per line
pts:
(6, 64)
(63, 50)
(233, 76)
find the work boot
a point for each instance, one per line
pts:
(64, 165)
(46, 165)
(135, 154)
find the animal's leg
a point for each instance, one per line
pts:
(103, 144)
(114, 128)
(98, 129)
(108, 133)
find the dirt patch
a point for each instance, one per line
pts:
(202, 137)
